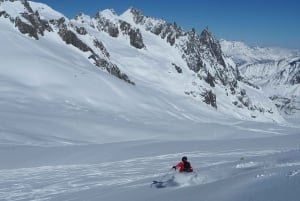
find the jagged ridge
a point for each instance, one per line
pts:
(29, 22)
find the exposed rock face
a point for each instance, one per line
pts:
(81, 30)
(136, 39)
(138, 17)
(98, 44)
(209, 42)
(115, 28)
(29, 22)
(113, 31)
(26, 28)
(201, 52)
(70, 37)
(204, 54)
(165, 30)
(178, 69)
(209, 98)
(288, 105)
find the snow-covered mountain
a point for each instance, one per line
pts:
(276, 70)
(140, 50)
(243, 54)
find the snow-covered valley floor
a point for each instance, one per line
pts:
(248, 169)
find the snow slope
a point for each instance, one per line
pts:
(72, 131)
(256, 169)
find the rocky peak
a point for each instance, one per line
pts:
(208, 41)
(206, 36)
(168, 31)
(138, 17)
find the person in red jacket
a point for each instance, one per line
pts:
(184, 165)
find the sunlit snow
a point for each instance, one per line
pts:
(71, 131)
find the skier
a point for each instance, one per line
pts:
(184, 165)
(169, 179)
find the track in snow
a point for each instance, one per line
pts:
(48, 182)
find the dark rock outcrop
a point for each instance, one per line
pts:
(178, 69)
(114, 29)
(81, 30)
(136, 39)
(210, 98)
(71, 38)
(29, 22)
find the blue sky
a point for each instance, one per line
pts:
(269, 23)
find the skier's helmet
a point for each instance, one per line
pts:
(184, 158)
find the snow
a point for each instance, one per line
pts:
(128, 16)
(13, 8)
(45, 11)
(70, 131)
(124, 171)
(108, 14)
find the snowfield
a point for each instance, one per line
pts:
(71, 131)
(255, 169)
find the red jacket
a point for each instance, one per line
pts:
(184, 167)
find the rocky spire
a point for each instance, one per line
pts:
(138, 16)
(208, 41)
